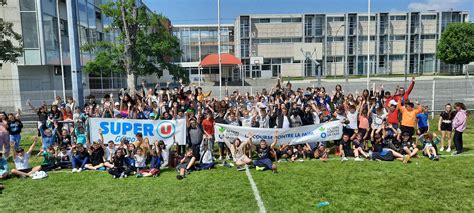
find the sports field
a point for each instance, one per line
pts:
(422, 185)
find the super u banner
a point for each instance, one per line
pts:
(298, 135)
(115, 129)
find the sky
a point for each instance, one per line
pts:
(205, 11)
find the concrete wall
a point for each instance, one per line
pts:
(428, 46)
(398, 27)
(363, 25)
(292, 70)
(398, 47)
(266, 30)
(429, 27)
(275, 50)
(363, 47)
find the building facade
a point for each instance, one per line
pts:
(197, 42)
(299, 45)
(37, 75)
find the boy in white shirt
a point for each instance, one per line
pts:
(22, 164)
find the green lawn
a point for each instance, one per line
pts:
(421, 185)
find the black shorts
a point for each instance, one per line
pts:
(48, 167)
(25, 170)
(348, 153)
(447, 127)
(410, 130)
(423, 130)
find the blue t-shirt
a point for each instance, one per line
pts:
(422, 120)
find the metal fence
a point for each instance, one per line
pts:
(434, 93)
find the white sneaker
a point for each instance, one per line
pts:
(227, 157)
(344, 159)
(79, 170)
(441, 149)
(358, 159)
(74, 170)
(220, 158)
(448, 149)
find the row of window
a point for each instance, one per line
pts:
(276, 40)
(276, 20)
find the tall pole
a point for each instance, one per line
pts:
(368, 46)
(75, 54)
(61, 51)
(219, 46)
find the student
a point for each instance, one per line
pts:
(238, 151)
(140, 160)
(321, 152)
(459, 125)
(345, 147)
(65, 139)
(65, 158)
(3, 167)
(357, 144)
(80, 135)
(96, 153)
(206, 161)
(408, 147)
(379, 152)
(48, 136)
(80, 158)
(423, 121)
(14, 128)
(185, 164)
(49, 160)
(445, 126)
(264, 161)
(409, 117)
(155, 163)
(4, 136)
(121, 166)
(109, 152)
(429, 146)
(21, 160)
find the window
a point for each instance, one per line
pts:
(50, 27)
(396, 57)
(339, 38)
(286, 60)
(296, 20)
(331, 19)
(297, 40)
(428, 17)
(432, 36)
(262, 20)
(397, 37)
(364, 38)
(275, 40)
(398, 18)
(286, 20)
(286, 40)
(364, 18)
(27, 5)
(29, 29)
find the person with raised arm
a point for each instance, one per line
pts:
(264, 161)
(22, 161)
(238, 151)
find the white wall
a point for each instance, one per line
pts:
(277, 30)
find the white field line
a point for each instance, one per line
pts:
(255, 191)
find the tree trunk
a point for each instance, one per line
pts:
(129, 69)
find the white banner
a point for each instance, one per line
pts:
(299, 135)
(114, 129)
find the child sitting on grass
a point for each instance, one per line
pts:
(3, 167)
(22, 164)
(121, 166)
(429, 141)
(155, 163)
(185, 164)
(357, 144)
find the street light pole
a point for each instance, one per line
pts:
(219, 46)
(61, 51)
(368, 45)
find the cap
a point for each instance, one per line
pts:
(393, 102)
(117, 104)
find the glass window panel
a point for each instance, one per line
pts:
(82, 10)
(91, 16)
(49, 7)
(50, 27)
(30, 30)
(27, 5)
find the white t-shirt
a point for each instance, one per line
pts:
(109, 153)
(22, 163)
(352, 117)
(377, 120)
(65, 157)
(286, 123)
(246, 121)
(140, 161)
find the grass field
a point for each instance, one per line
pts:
(421, 185)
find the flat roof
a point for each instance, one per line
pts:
(202, 25)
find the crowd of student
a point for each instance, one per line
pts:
(378, 125)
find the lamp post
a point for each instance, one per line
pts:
(368, 45)
(219, 46)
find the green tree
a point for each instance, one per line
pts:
(456, 45)
(145, 44)
(8, 51)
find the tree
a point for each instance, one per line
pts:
(8, 51)
(145, 45)
(456, 45)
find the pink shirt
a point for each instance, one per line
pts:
(460, 121)
(3, 128)
(363, 122)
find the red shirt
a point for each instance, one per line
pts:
(208, 126)
(392, 117)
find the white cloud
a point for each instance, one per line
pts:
(437, 5)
